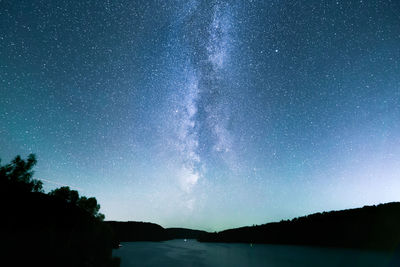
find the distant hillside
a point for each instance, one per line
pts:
(183, 233)
(145, 231)
(138, 231)
(370, 227)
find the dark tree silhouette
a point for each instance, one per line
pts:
(67, 227)
(91, 206)
(17, 175)
(72, 196)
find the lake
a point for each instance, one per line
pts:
(192, 253)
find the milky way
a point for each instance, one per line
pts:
(205, 114)
(202, 112)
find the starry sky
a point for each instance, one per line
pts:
(205, 114)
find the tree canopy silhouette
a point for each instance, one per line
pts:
(72, 196)
(64, 192)
(68, 227)
(17, 175)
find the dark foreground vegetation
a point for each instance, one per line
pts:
(56, 229)
(370, 227)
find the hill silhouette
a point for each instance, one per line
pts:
(184, 233)
(137, 231)
(144, 231)
(369, 227)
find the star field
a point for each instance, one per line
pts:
(205, 114)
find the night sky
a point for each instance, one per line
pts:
(205, 114)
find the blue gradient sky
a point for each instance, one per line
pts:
(205, 114)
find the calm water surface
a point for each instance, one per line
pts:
(192, 253)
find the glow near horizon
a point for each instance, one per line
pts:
(207, 114)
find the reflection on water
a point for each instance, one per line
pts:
(192, 253)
